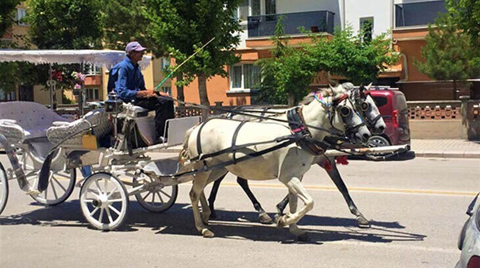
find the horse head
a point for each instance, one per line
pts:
(365, 104)
(336, 112)
(347, 119)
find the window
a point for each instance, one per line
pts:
(92, 94)
(7, 95)
(92, 69)
(167, 90)
(247, 8)
(165, 63)
(366, 27)
(21, 13)
(270, 7)
(244, 76)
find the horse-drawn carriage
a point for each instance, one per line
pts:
(112, 144)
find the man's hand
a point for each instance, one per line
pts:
(146, 93)
(164, 94)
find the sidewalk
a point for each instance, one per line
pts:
(454, 148)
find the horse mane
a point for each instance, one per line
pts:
(311, 96)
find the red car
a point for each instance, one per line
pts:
(393, 107)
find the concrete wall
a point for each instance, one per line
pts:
(380, 10)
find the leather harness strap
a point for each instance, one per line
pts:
(234, 139)
(305, 140)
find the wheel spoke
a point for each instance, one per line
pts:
(115, 200)
(145, 198)
(105, 185)
(86, 201)
(114, 209)
(153, 199)
(159, 195)
(93, 211)
(53, 189)
(61, 174)
(169, 196)
(100, 219)
(98, 187)
(59, 184)
(109, 215)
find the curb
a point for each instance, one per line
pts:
(443, 154)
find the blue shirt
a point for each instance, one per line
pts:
(129, 80)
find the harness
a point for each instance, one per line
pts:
(301, 132)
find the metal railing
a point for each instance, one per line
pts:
(314, 21)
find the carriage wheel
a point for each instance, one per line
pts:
(104, 201)
(157, 198)
(60, 183)
(3, 188)
(376, 141)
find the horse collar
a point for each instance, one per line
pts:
(302, 134)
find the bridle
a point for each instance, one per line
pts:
(359, 97)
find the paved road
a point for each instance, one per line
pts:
(417, 209)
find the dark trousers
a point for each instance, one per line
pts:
(163, 108)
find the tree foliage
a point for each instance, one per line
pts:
(7, 15)
(291, 70)
(125, 21)
(180, 27)
(467, 14)
(448, 53)
(287, 75)
(351, 56)
(65, 24)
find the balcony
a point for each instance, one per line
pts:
(418, 14)
(314, 21)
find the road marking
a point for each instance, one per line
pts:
(360, 189)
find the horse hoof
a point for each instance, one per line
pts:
(264, 218)
(207, 233)
(363, 223)
(281, 222)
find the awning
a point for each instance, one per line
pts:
(104, 58)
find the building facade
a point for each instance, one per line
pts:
(406, 21)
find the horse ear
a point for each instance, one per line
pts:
(331, 88)
(369, 85)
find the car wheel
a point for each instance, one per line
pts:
(376, 141)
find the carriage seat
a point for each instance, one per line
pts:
(22, 121)
(97, 118)
(134, 111)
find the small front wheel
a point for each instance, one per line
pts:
(157, 198)
(3, 188)
(377, 141)
(104, 201)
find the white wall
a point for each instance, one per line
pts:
(380, 10)
(290, 6)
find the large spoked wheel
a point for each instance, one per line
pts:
(376, 141)
(104, 201)
(157, 198)
(3, 188)
(60, 183)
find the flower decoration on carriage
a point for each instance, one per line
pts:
(78, 78)
(57, 76)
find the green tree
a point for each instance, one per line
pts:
(353, 56)
(7, 15)
(125, 21)
(288, 73)
(447, 54)
(180, 27)
(65, 24)
(467, 14)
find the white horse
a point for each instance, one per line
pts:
(367, 109)
(323, 115)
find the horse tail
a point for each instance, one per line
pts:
(184, 156)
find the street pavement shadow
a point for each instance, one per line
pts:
(231, 225)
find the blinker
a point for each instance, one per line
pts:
(345, 111)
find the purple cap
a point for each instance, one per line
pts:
(134, 46)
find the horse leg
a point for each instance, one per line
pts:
(196, 192)
(213, 196)
(262, 215)
(281, 207)
(337, 179)
(206, 212)
(293, 228)
(296, 188)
